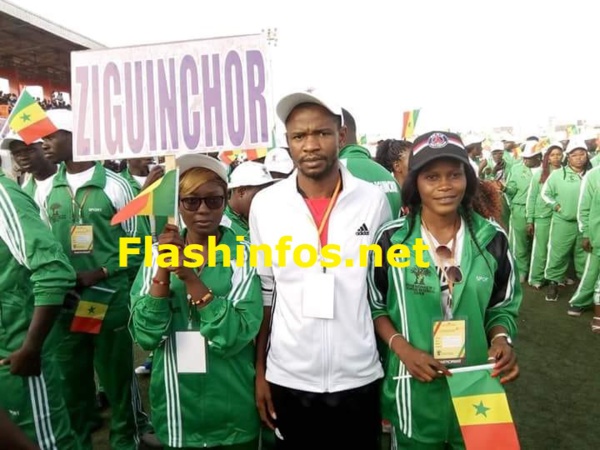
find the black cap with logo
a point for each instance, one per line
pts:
(434, 145)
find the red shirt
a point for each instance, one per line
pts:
(317, 207)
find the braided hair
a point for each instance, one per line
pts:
(389, 151)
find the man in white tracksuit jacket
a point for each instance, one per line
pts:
(320, 373)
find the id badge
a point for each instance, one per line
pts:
(449, 341)
(191, 352)
(317, 295)
(82, 239)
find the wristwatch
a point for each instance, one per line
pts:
(504, 335)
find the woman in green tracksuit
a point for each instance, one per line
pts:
(201, 324)
(560, 192)
(588, 218)
(539, 214)
(517, 185)
(473, 286)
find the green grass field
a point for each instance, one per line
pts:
(556, 401)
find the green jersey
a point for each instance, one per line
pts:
(588, 210)
(488, 296)
(536, 207)
(35, 270)
(517, 183)
(358, 161)
(562, 189)
(236, 222)
(216, 408)
(93, 204)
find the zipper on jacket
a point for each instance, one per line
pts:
(325, 357)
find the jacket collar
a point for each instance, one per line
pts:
(355, 151)
(484, 232)
(127, 175)
(98, 177)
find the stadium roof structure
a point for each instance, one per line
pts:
(36, 48)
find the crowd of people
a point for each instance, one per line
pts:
(56, 101)
(276, 353)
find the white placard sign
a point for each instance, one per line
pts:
(169, 99)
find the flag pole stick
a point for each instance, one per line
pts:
(170, 164)
(4, 132)
(456, 370)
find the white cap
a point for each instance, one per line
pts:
(576, 144)
(470, 139)
(279, 160)
(250, 173)
(190, 161)
(61, 118)
(289, 102)
(530, 149)
(497, 146)
(12, 136)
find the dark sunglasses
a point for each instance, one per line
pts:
(194, 203)
(453, 273)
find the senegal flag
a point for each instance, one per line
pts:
(409, 122)
(158, 199)
(91, 310)
(29, 120)
(482, 410)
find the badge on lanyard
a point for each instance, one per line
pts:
(191, 352)
(449, 341)
(318, 295)
(82, 239)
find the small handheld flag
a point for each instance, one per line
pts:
(158, 199)
(29, 120)
(91, 310)
(482, 410)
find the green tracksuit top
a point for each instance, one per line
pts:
(588, 210)
(517, 183)
(236, 222)
(489, 295)
(218, 407)
(35, 270)
(536, 207)
(562, 188)
(358, 161)
(102, 196)
(29, 186)
(595, 160)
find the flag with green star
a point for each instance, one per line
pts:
(91, 310)
(482, 411)
(29, 120)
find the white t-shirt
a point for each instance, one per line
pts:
(140, 180)
(76, 180)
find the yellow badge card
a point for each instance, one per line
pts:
(449, 339)
(82, 239)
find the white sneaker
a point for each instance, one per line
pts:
(144, 369)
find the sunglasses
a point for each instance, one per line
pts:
(193, 203)
(453, 273)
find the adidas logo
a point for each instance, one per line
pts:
(362, 230)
